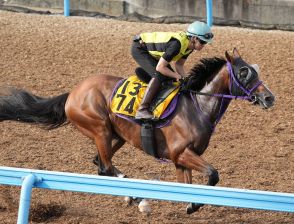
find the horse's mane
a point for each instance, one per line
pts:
(203, 72)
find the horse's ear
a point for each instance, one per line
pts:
(236, 53)
(228, 57)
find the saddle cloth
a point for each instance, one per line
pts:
(128, 95)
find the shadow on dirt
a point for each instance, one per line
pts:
(2, 209)
(44, 212)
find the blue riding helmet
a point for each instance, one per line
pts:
(200, 30)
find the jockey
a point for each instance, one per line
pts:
(155, 51)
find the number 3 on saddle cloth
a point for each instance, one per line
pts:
(128, 94)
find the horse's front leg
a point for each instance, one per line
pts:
(184, 175)
(188, 161)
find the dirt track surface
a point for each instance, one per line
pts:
(49, 55)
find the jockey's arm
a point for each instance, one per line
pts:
(179, 66)
(164, 70)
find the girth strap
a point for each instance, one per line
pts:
(148, 140)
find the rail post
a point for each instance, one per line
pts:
(66, 7)
(25, 198)
(209, 12)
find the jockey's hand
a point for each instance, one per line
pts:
(178, 78)
(183, 84)
(182, 80)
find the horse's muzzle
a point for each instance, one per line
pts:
(264, 100)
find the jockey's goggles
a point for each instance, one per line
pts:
(202, 42)
(206, 36)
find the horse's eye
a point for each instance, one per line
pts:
(243, 72)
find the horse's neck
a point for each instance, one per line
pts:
(214, 107)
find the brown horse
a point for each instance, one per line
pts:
(205, 96)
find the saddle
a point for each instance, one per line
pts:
(129, 93)
(127, 96)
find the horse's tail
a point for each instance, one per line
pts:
(20, 105)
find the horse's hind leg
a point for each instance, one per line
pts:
(93, 121)
(116, 144)
(189, 160)
(102, 139)
(97, 161)
(107, 146)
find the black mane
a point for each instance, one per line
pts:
(204, 72)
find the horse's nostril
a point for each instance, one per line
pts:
(269, 99)
(253, 98)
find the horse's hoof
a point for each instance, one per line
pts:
(144, 207)
(193, 207)
(128, 200)
(132, 200)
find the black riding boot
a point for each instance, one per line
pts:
(152, 89)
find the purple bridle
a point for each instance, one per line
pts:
(233, 81)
